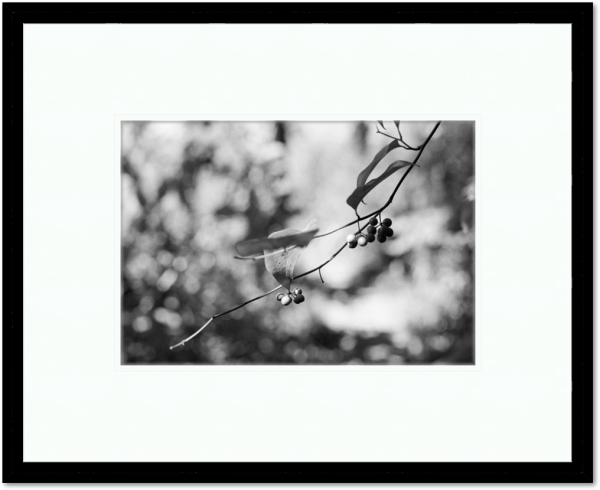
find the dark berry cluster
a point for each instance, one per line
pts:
(296, 296)
(385, 230)
(382, 231)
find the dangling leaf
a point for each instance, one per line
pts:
(360, 192)
(282, 265)
(364, 175)
(276, 241)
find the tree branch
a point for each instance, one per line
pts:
(318, 268)
(375, 213)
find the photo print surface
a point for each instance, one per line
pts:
(297, 243)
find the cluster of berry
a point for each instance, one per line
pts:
(383, 232)
(295, 296)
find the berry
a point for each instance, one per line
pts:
(279, 296)
(286, 300)
(362, 241)
(370, 238)
(353, 244)
(371, 229)
(373, 221)
(381, 238)
(351, 238)
(297, 291)
(299, 299)
(387, 222)
(381, 231)
(389, 232)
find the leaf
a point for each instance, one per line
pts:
(360, 192)
(276, 241)
(364, 175)
(397, 123)
(282, 265)
(381, 124)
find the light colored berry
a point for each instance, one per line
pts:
(362, 241)
(286, 300)
(297, 291)
(279, 296)
(351, 238)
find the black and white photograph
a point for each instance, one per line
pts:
(297, 242)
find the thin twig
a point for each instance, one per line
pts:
(403, 144)
(318, 268)
(182, 343)
(247, 302)
(222, 314)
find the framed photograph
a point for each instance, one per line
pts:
(226, 211)
(298, 242)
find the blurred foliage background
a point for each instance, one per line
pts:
(192, 190)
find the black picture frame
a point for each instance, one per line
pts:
(582, 472)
